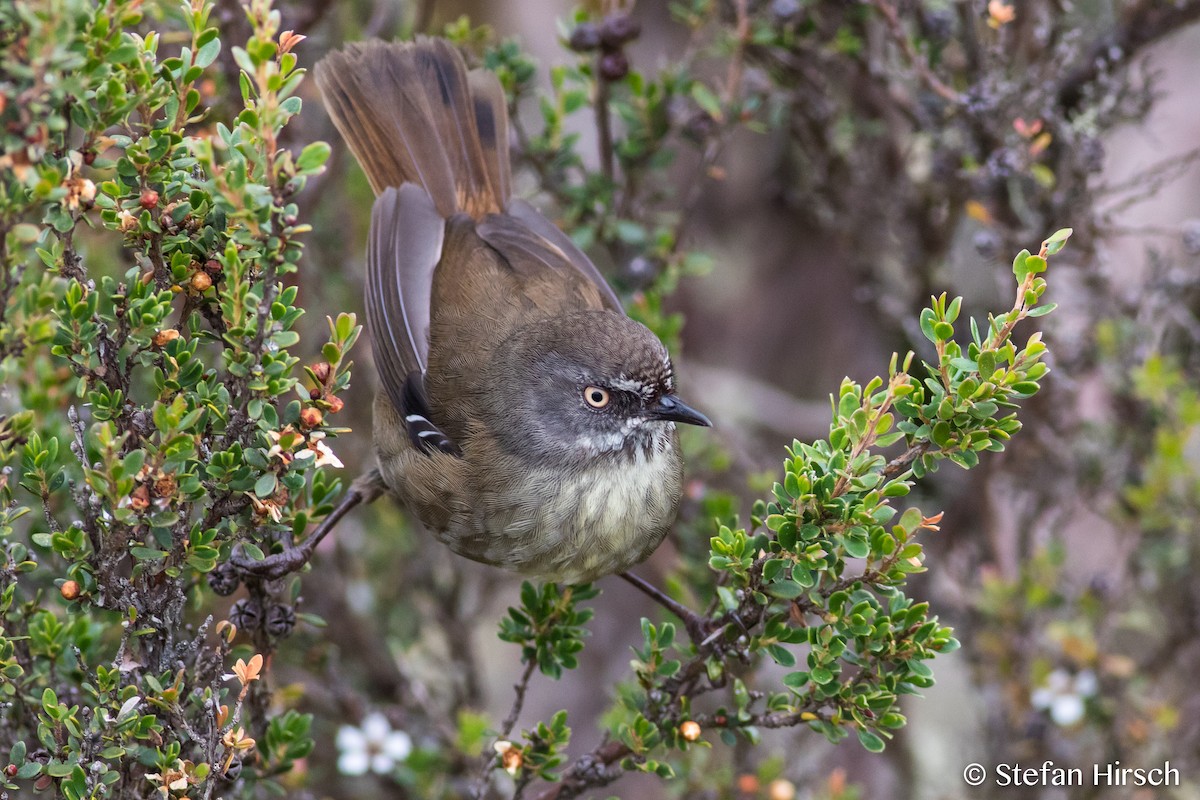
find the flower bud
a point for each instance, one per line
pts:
(149, 199)
(69, 590)
(690, 730)
(310, 417)
(201, 281)
(322, 370)
(617, 29)
(614, 66)
(223, 581)
(585, 37)
(164, 336)
(228, 631)
(140, 499)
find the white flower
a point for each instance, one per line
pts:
(1064, 696)
(374, 747)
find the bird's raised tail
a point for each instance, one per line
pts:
(412, 113)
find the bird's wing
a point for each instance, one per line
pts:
(552, 237)
(539, 254)
(403, 249)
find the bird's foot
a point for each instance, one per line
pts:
(293, 558)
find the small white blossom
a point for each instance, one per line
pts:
(373, 747)
(1064, 696)
(320, 451)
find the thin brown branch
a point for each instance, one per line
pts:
(900, 464)
(588, 772)
(916, 60)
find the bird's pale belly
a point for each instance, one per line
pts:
(573, 527)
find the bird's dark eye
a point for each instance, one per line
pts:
(596, 397)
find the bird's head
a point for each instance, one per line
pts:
(586, 385)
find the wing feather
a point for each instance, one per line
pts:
(403, 249)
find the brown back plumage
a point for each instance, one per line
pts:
(433, 141)
(411, 113)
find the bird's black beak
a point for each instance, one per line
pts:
(669, 407)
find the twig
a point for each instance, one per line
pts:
(915, 59)
(900, 464)
(1146, 184)
(519, 689)
(691, 620)
(603, 123)
(364, 490)
(589, 771)
(489, 759)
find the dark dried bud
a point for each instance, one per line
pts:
(987, 244)
(940, 25)
(699, 127)
(314, 394)
(223, 580)
(246, 614)
(614, 66)
(89, 157)
(280, 620)
(149, 199)
(585, 37)
(617, 29)
(290, 219)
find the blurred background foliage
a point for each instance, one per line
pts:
(779, 187)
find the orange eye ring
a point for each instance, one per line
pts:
(596, 396)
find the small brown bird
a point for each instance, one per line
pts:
(524, 419)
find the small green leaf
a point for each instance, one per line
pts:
(312, 157)
(1058, 240)
(264, 487)
(870, 741)
(707, 101)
